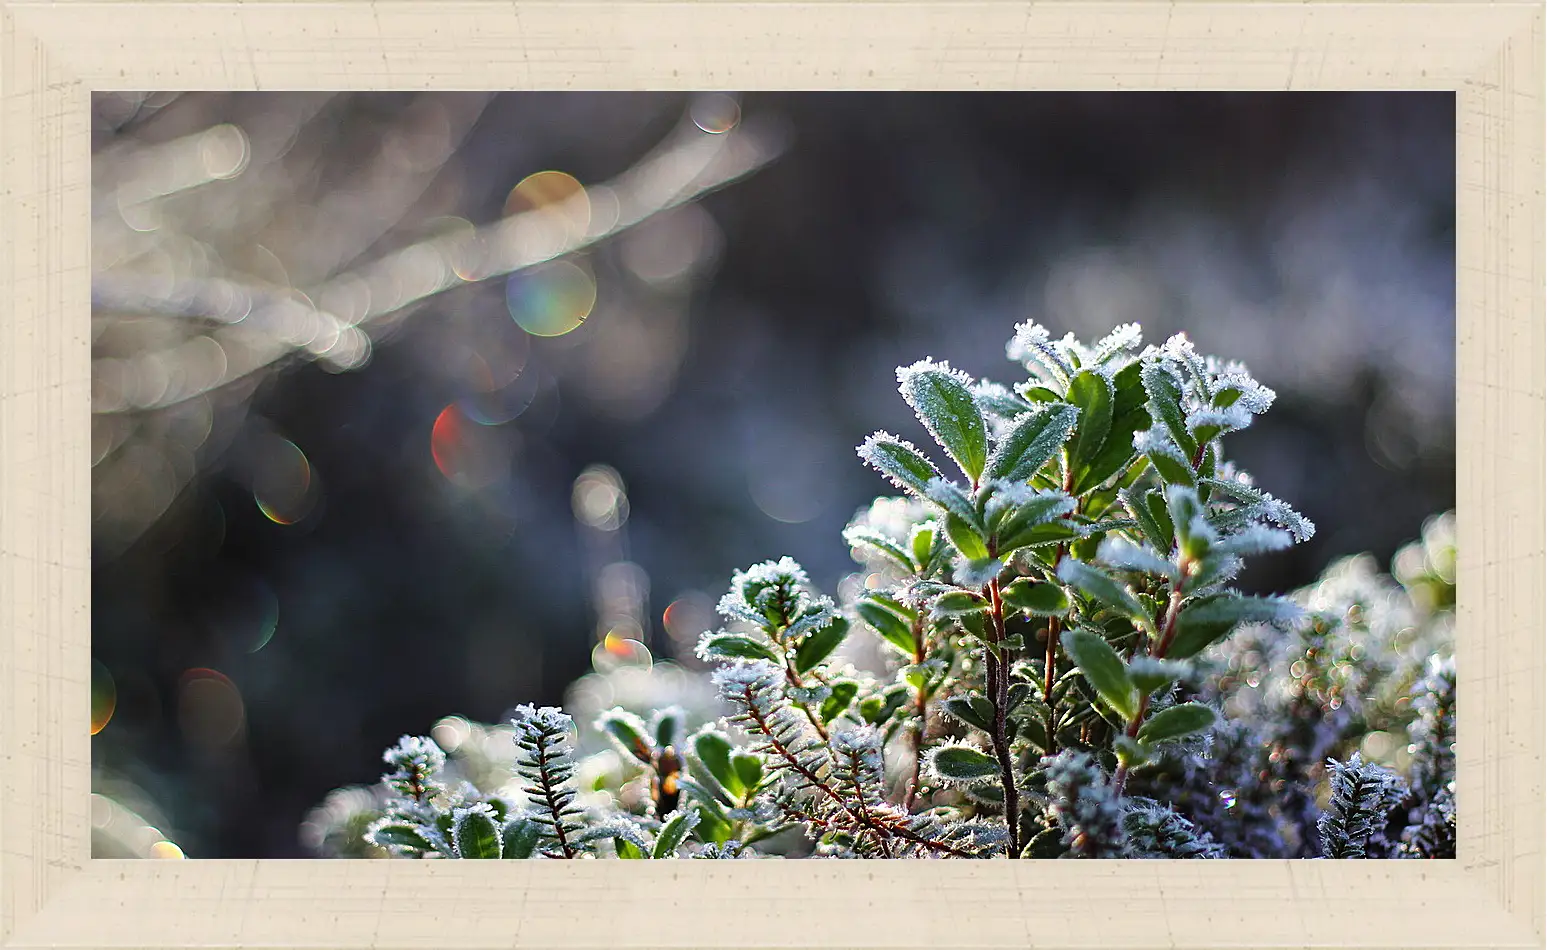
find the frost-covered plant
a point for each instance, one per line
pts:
(1363, 796)
(1370, 669)
(1066, 668)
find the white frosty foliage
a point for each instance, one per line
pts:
(1231, 419)
(1032, 347)
(533, 723)
(908, 375)
(415, 752)
(1299, 526)
(741, 675)
(1255, 398)
(1124, 337)
(1156, 440)
(1126, 556)
(872, 456)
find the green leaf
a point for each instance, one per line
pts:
(735, 646)
(1165, 404)
(1116, 451)
(1160, 537)
(922, 544)
(951, 500)
(668, 727)
(820, 644)
(1019, 693)
(958, 764)
(900, 462)
(891, 627)
(1032, 442)
(1093, 395)
(1193, 534)
(474, 834)
(671, 834)
(1103, 669)
(628, 850)
(1131, 753)
(1042, 508)
(972, 710)
(838, 700)
(880, 544)
(1101, 586)
(519, 838)
(946, 407)
(749, 768)
(1171, 467)
(1205, 622)
(1150, 674)
(1039, 600)
(966, 538)
(714, 750)
(1055, 532)
(1038, 394)
(1174, 722)
(400, 835)
(955, 603)
(624, 726)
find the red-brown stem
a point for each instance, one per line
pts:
(1167, 634)
(1047, 685)
(921, 711)
(553, 806)
(794, 680)
(998, 669)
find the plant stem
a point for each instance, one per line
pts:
(998, 669)
(921, 712)
(1047, 686)
(1167, 634)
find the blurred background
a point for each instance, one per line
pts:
(407, 405)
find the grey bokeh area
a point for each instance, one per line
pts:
(342, 489)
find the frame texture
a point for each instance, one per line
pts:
(53, 54)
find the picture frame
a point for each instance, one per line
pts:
(54, 54)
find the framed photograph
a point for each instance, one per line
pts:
(755, 470)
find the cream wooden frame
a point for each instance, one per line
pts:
(52, 54)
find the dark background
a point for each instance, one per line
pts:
(740, 347)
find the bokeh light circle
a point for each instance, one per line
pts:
(558, 196)
(550, 299)
(210, 709)
(715, 112)
(104, 697)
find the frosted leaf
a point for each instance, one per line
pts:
(1126, 556)
(1255, 539)
(1123, 337)
(997, 400)
(618, 828)
(417, 752)
(975, 574)
(1156, 440)
(784, 573)
(929, 364)
(1299, 526)
(1231, 419)
(897, 459)
(756, 675)
(1255, 398)
(1032, 347)
(942, 399)
(533, 723)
